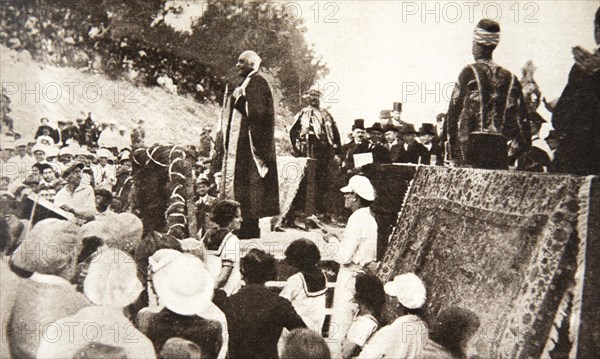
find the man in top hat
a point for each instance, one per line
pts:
(250, 165)
(358, 137)
(487, 110)
(411, 150)
(393, 144)
(396, 114)
(577, 114)
(427, 138)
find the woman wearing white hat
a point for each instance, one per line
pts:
(184, 290)
(357, 249)
(407, 334)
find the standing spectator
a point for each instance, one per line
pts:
(255, 315)
(204, 205)
(487, 109)
(205, 147)
(576, 116)
(392, 143)
(427, 136)
(411, 150)
(138, 135)
(123, 189)
(357, 249)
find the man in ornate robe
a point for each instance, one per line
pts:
(487, 111)
(315, 134)
(249, 164)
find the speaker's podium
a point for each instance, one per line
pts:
(37, 208)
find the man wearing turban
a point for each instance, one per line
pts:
(250, 167)
(486, 117)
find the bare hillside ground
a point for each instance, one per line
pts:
(39, 90)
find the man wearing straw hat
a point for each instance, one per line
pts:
(487, 110)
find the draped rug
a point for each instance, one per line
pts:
(509, 246)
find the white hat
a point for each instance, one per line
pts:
(39, 147)
(361, 186)
(112, 279)
(67, 150)
(47, 138)
(103, 152)
(21, 142)
(126, 155)
(181, 281)
(409, 290)
(51, 151)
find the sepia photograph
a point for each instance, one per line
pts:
(305, 179)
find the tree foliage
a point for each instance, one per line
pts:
(225, 29)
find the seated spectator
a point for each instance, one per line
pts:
(407, 334)
(111, 284)
(370, 297)
(182, 307)
(305, 344)
(75, 197)
(14, 227)
(103, 201)
(48, 294)
(44, 129)
(306, 289)
(223, 247)
(49, 182)
(450, 334)
(255, 315)
(177, 348)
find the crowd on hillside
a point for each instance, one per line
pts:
(68, 38)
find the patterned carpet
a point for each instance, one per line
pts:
(504, 245)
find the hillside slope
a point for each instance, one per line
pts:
(38, 90)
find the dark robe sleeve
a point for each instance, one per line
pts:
(288, 315)
(261, 118)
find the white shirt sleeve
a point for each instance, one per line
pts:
(292, 287)
(361, 330)
(378, 345)
(231, 250)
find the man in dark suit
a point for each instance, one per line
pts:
(358, 137)
(393, 144)
(411, 151)
(434, 151)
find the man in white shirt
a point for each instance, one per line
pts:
(357, 249)
(407, 334)
(105, 174)
(76, 198)
(21, 160)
